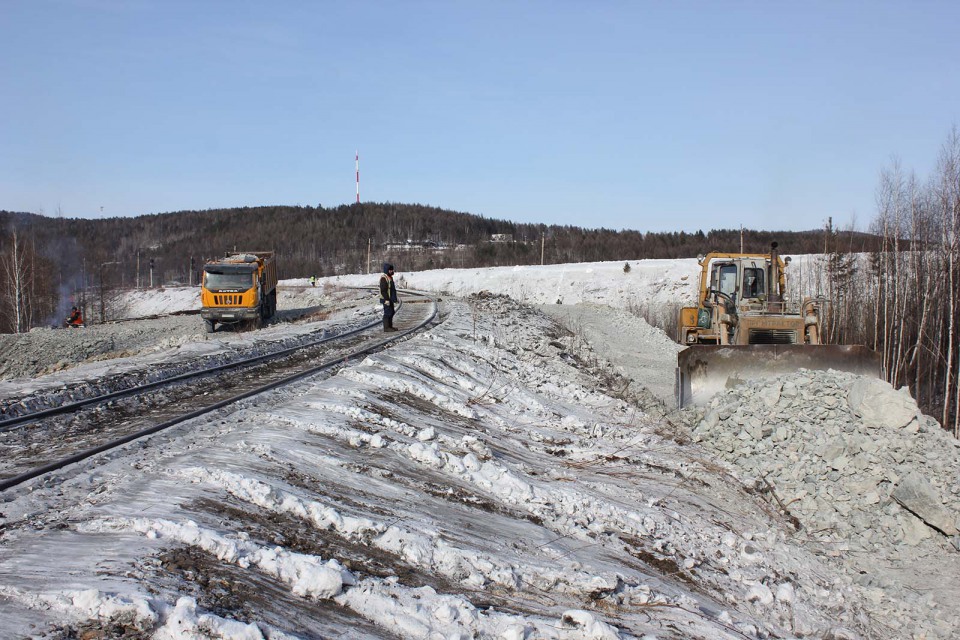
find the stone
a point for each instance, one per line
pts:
(878, 405)
(760, 593)
(841, 633)
(770, 394)
(786, 593)
(840, 462)
(914, 531)
(919, 497)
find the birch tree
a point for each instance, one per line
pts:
(15, 271)
(948, 199)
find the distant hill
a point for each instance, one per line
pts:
(320, 241)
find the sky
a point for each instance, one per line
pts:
(652, 116)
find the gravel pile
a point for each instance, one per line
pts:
(860, 472)
(843, 453)
(43, 350)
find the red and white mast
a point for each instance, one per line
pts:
(358, 176)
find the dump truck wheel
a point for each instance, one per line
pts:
(211, 326)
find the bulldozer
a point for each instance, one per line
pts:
(744, 327)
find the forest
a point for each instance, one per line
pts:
(893, 288)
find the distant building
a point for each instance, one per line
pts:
(412, 245)
(501, 237)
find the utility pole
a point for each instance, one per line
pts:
(543, 237)
(369, 244)
(741, 238)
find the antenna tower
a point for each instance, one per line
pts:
(358, 177)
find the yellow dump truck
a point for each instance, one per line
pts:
(241, 287)
(744, 327)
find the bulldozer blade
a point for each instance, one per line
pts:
(703, 370)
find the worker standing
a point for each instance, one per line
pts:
(388, 297)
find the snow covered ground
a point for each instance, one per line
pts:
(518, 471)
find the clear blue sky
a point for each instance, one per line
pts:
(654, 116)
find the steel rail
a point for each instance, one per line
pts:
(10, 423)
(11, 482)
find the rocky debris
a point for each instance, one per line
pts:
(43, 351)
(861, 474)
(842, 454)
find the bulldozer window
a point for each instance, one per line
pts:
(727, 279)
(753, 283)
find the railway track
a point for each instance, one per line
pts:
(37, 444)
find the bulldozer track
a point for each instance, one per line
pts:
(39, 443)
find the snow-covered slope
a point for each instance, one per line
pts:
(508, 474)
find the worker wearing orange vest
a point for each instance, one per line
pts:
(75, 319)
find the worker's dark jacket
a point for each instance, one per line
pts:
(388, 290)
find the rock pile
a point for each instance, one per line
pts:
(849, 457)
(45, 350)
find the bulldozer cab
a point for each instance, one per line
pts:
(741, 280)
(732, 286)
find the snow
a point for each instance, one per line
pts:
(517, 471)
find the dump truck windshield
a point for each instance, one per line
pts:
(223, 279)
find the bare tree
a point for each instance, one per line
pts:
(15, 270)
(915, 281)
(948, 199)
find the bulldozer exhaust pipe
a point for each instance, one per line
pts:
(775, 296)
